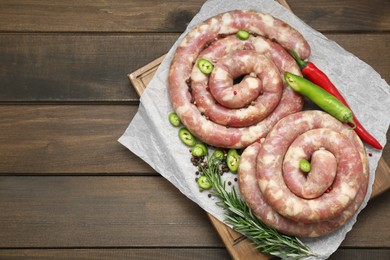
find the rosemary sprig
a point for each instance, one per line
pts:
(265, 238)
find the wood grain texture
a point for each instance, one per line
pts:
(57, 67)
(382, 178)
(69, 211)
(163, 253)
(346, 15)
(238, 246)
(360, 254)
(174, 15)
(63, 139)
(93, 68)
(142, 76)
(99, 212)
(366, 225)
(117, 254)
(97, 16)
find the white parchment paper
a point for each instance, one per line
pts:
(152, 138)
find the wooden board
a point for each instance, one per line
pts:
(174, 15)
(238, 245)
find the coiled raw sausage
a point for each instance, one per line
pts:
(237, 115)
(284, 197)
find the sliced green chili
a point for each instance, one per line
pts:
(242, 35)
(320, 97)
(204, 147)
(199, 150)
(204, 182)
(205, 66)
(218, 154)
(186, 137)
(304, 165)
(174, 119)
(233, 159)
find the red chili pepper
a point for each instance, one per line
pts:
(314, 74)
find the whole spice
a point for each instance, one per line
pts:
(319, 96)
(315, 75)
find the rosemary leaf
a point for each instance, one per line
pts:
(239, 215)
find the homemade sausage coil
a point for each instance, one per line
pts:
(210, 106)
(284, 197)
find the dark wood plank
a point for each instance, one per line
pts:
(99, 212)
(74, 67)
(360, 254)
(66, 140)
(378, 209)
(94, 68)
(70, 140)
(128, 212)
(97, 16)
(164, 253)
(117, 254)
(174, 15)
(371, 48)
(346, 15)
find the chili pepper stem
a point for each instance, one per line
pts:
(301, 63)
(349, 119)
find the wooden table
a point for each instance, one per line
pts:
(68, 189)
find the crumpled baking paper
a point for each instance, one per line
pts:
(152, 138)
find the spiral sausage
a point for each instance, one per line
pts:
(307, 206)
(214, 109)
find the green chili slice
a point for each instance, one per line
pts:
(186, 137)
(321, 97)
(242, 35)
(199, 150)
(204, 147)
(218, 154)
(304, 165)
(205, 66)
(233, 160)
(174, 119)
(204, 182)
